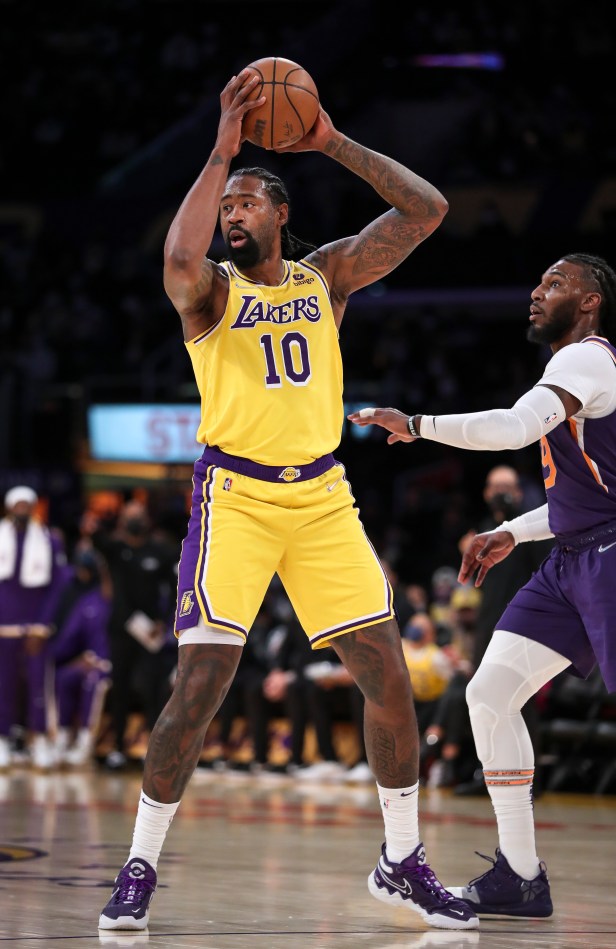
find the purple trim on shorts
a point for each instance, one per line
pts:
(354, 624)
(195, 550)
(286, 474)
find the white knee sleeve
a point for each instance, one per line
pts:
(512, 670)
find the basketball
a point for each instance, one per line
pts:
(292, 103)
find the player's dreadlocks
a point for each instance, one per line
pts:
(292, 247)
(598, 268)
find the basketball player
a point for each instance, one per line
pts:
(262, 332)
(562, 618)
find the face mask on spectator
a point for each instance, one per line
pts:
(414, 633)
(503, 504)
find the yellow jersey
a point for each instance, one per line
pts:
(429, 668)
(269, 372)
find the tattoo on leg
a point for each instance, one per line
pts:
(362, 657)
(205, 673)
(394, 763)
(375, 659)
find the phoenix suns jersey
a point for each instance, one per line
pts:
(269, 372)
(579, 455)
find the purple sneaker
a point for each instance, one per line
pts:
(129, 905)
(502, 892)
(414, 884)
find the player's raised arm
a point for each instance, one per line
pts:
(189, 277)
(417, 209)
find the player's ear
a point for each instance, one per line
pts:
(283, 214)
(591, 301)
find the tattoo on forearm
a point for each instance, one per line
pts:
(397, 185)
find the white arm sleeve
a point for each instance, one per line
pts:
(536, 413)
(530, 526)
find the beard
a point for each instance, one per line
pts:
(246, 256)
(554, 327)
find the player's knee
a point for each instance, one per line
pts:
(476, 692)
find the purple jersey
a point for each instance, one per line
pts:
(568, 604)
(579, 469)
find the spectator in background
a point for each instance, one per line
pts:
(447, 750)
(429, 665)
(32, 565)
(80, 651)
(504, 499)
(284, 684)
(333, 696)
(408, 598)
(143, 571)
(315, 692)
(443, 582)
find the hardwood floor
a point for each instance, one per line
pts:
(261, 862)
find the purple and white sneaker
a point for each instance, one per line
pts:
(412, 883)
(500, 891)
(129, 906)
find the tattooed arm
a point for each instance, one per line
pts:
(417, 209)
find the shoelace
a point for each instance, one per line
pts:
(133, 891)
(482, 875)
(428, 877)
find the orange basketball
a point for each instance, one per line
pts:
(292, 103)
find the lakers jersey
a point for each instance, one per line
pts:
(428, 671)
(269, 372)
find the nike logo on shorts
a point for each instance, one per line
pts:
(330, 487)
(605, 547)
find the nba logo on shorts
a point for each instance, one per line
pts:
(186, 603)
(227, 484)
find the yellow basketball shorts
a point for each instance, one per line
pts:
(301, 523)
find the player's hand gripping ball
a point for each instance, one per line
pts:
(292, 103)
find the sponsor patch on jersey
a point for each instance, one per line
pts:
(227, 484)
(187, 602)
(289, 474)
(301, 278)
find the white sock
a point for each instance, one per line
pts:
(400, 814)
(513, 807)
(512, 670)
(151, 826)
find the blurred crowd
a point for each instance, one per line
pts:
(87, 649)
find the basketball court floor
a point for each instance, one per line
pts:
(259, 862)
